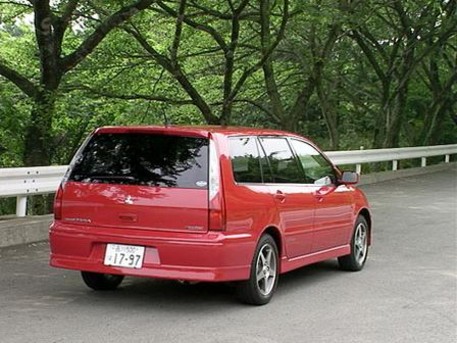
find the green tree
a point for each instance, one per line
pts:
(395, 37)
(52, 25)
(300, 69)
(209, 51)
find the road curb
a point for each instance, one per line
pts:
(24, 230)
(398, 174)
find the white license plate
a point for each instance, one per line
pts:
(127, 256)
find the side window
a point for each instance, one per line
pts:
(317, 169)
(265, 165)
(284, 165)
(245, 159)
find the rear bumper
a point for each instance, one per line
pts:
(212, 256)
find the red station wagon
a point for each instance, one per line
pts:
(205, 204)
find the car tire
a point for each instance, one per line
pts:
(359, 247)
(102, 282)
(263, 280)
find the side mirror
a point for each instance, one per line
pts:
(349, 178)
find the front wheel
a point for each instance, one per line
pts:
(260, 287)
(359, 247)
(101, 282)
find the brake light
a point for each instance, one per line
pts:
(216, 220)
(215, 201)
(58, 203)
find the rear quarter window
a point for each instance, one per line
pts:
(143, 159)
(249, 163)
(244, 155)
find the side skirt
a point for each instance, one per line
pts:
(300, 261)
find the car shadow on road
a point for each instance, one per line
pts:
(309, 275)
(175, 296)
(166, 295)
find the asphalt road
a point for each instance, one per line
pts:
(406, 293)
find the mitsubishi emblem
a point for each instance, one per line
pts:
(128, 200)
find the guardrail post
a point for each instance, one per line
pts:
(423, 161)
(21, 206)
(447, 159)
(358, 167)
(394, 164)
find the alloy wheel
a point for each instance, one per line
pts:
(266, 266)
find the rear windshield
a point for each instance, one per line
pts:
(143, 159)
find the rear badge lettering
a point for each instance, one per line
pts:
(78, 220)
(194, 228)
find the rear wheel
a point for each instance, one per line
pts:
(359, 247)
(102, 282)
(260, 287)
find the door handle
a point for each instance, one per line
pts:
(319, 196)
(280, 196)
(323, 191)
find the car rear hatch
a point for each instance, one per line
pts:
(139, 180)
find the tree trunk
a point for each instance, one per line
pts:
(433, 124)
(38, 134)
(331, 121)
(395, 120)
(327, 110)
(380, 122)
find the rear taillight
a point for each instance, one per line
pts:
(214, 171)
(58, 203)
(216, 220)
(215, 201)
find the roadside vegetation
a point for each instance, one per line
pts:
(347, 73)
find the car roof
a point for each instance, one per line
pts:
(201, 131)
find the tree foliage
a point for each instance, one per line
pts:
(377, 73)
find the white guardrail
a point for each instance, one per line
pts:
(23, 182)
